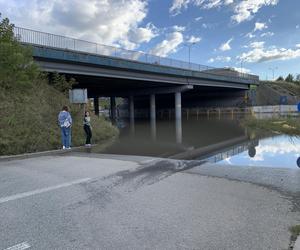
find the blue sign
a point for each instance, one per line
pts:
(299, 106)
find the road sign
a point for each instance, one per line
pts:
(78, 96)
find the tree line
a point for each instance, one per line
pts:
(289, 78)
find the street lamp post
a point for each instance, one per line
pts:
(189, 45)
(273, 71)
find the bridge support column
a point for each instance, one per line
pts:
(178, 106)
(131, 113)
(96, 105)
(113, 108)
(178, 121)
(152, 107)
(153, 116)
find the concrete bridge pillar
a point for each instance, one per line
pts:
(178, 105)
(96, 105)
(153, 116)
(131, 113)
(152, 107)
(113, 107)
(178, 121)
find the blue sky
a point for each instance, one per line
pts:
(253, 34)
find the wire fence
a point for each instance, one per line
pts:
(33, 37)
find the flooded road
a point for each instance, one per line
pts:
(214, 140)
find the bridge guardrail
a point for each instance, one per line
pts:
(33, 37)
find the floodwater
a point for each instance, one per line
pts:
(219, 140)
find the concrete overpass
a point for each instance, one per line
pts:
(140, 77)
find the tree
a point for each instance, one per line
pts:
(289, 78)
(17, 68)
(61, 83)
(280, 79)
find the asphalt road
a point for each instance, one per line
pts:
(82, 201)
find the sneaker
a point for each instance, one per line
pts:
(64, 147)
(68, 148)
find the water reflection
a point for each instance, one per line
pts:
(178, 125)
(219, 140)
(166, 138)
(277, 151)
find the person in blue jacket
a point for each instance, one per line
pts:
(65, 123)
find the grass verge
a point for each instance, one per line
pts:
(284, 125)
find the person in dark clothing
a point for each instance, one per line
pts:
(87, 128)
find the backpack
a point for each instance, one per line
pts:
(67, 123)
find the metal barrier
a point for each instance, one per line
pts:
(33, 37)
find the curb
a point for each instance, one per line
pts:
(38, 154)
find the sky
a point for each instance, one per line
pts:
(256, 36)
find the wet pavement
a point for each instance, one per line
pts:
(93, 201)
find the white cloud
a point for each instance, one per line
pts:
(257, 45)
(245, 10)
(262, 54)
(267, 34)
(113, 22)
(169, 45)
(250, 35)
(260, 26)
(298, 45)
(197, 19)
(194, 39)
(143, 34)
(220, 59)
(226, 46)
(178, 5)
(179, 28)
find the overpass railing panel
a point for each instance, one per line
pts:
(56, 41)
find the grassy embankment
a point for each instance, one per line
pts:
(283, 125)
(30, 102)
(29, 120)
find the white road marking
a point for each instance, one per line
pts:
(21, 246)
(42, 190)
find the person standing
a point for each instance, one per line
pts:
(87, 128)
(65, 123)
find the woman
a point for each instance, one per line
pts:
(65, 123)
(87, 128)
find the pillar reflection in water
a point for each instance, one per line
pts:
(178, 131)
(153, 129)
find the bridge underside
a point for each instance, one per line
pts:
(195, 96)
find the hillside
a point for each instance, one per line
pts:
(269, 92)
